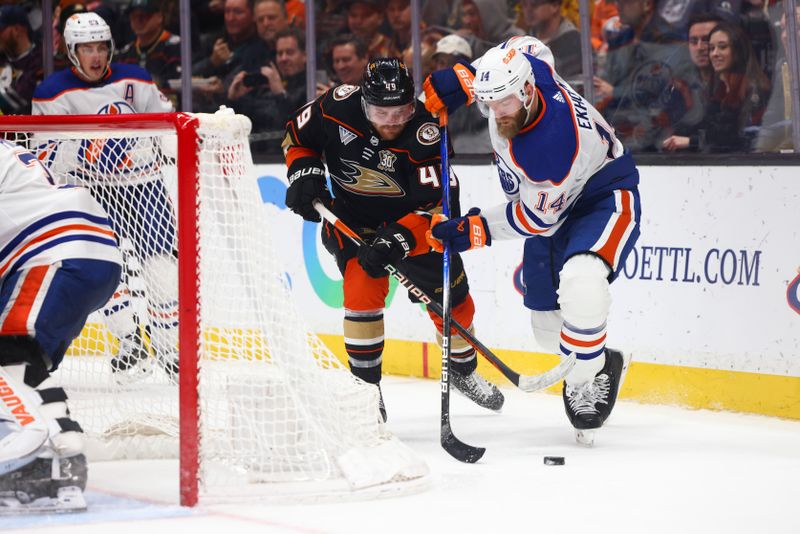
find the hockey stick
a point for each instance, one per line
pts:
(527, 383)
(450, 443)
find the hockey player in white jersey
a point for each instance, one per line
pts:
(123, 175)
(572, 194)
(59, 261)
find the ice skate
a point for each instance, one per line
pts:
(478, 390)
(169, 362)
(589, 405)
(381, 405)
(46, 485)
(132, 361)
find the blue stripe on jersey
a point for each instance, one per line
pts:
(512, 220)
(55, 242)
(532, 216)
(546, 151)
(65, 80)
(41, 223)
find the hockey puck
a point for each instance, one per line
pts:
(553, 460)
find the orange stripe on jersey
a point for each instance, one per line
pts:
(579, 343)
(609, 251)
(16, 322)
(51, 233)
(296, 152)
(524, 222)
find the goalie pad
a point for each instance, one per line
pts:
(23, 428)
(46, 485)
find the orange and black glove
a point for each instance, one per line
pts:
(449, 89)
(462, 233)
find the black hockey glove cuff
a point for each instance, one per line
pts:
(392, 243)
(305, 186)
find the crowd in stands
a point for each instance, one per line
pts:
(706, 76)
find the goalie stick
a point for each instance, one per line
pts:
(455, 447)
(527, 383)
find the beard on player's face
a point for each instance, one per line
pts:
(510, 125)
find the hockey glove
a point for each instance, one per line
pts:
(305, 186)
(462, 233)
(449, 89)
(392, 243)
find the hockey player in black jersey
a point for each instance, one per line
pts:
(382, 154)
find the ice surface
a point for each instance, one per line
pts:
(653, 469)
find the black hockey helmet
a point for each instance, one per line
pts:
(386, 82)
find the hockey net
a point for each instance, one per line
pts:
(259, 406)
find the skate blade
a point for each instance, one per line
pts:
(70, 500)
(585, 437)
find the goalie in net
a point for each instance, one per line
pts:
(59, 262)
(124, 176)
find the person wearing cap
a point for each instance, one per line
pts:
(470, 133)
(24, 60)
(364, 19)
(154, 49)
(545, 22)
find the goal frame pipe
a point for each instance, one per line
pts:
(184, 125)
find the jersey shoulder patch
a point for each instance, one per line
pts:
(343, 92)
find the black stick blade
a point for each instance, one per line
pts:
(458, 449)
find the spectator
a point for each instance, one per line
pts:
(154, 49)
(602, 12)
(238, 48)
(398, 15)
(544, 21)
(469, 129)
(645, 87)
(271, 94)
(24, 57)
(700, 27)
(441, 13)
(430, 38)
(485, 23)
(348, 57)
(271, 18)
(776, 133)
(364, 19)
(737, 99)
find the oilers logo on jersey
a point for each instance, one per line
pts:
(509, 180)
(116, 108)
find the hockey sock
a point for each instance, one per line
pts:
(588, 344)
(363, 340)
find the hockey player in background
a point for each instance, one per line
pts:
(382, 154)
(124, 176)
(59, 262)
(572, 194)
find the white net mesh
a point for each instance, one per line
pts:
(275, 405)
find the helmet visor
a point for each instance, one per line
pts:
(505, 107)
(389, 115)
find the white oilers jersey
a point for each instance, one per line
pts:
(41, 223)
(545, 167)
(124, 89)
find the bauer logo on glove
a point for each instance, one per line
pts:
(462, 233)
